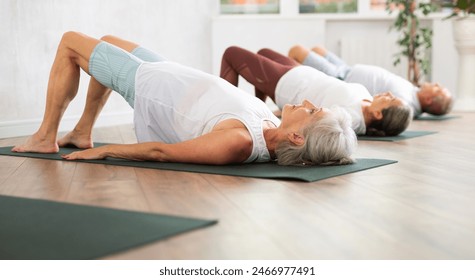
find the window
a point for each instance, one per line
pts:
(352, 6)
(250, 6)
(328, 6)
(378, 5)
(294, 7)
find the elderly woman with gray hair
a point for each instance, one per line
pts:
(286, 81)
(180, 114)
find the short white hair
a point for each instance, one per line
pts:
(328, 141)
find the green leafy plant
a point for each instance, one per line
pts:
(461, 7)
(415, 41)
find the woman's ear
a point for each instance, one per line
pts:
(377, 115)
(296, 138)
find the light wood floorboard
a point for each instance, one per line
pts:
(423, 207)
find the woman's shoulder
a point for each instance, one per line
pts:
(238, 140)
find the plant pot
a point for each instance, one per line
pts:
(464, 36)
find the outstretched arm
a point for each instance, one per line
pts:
(218, 147)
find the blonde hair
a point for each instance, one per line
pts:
(328, 141)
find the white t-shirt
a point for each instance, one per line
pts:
(304, 82)
(378, 80)
(175, 103)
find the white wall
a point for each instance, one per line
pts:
(371, 41)
(444, 55)
(31, 29)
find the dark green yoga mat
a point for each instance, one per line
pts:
(256, 170)
(428, 117)
(39, 229)
(403, 136)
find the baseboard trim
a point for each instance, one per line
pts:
(11, 129)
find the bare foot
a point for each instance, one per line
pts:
(77, 140)
(37, 144)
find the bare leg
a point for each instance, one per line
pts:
(81, 135)
(97, 96)
(119, 42)
(73, 53)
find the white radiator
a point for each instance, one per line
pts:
(375, 52)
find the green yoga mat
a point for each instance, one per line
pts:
(39, 229)
(256, 170)
(403, 136)
(428, 117)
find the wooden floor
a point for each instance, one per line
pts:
(423, 207)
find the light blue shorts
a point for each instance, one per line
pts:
(115, 68)
(330, 65)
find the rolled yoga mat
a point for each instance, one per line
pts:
(403, 136)
(44, 230)
(269, 170)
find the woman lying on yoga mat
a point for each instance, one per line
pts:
(181, 114)
(285, 81)
(431, 98)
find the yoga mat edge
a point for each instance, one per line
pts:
(269, 170)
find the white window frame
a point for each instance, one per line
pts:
(290, 8)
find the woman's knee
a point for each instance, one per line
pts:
(67, 41)
(298, 52)
(69, 37)
(231, 52)
(77, 41)
(78, 47)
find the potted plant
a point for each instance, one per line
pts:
(415, 41)
(461, 8)
(463, 24)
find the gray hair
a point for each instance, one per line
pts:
(328, 141)
(440, 105)
(395, 120)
